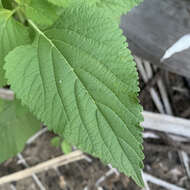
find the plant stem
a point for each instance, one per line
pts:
(40, 32)
(20, 15)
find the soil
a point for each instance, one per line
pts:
(160, 161)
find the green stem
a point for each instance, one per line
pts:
(40, 32)
(20, 15)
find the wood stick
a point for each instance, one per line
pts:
(185, 160)
(34, 176)
(146, 76)
(55, 162)
(150, 84)
(12, 187)
(35, 136)
(146, 186)
(164, 96)
(161, 183)
(167, 124)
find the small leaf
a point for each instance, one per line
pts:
(12, 34)
(55, 141)
(40, 11)
(66, 147)
(81, 81)
(16, 126)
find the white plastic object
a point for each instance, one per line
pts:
(182, 44)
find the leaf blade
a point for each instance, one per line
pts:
(83, 91)
(16, 126)
(40, 11)
(12, 34)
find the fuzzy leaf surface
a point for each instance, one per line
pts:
(81, 81)
(16, 126)
(116, 8)
(61, 3)
(12, 34)
(40, 11)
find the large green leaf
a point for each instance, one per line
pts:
(16, 126)
(12, 34)
(81, 81)
(117, 7)
(40, 11)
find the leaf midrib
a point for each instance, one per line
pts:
(132, 114)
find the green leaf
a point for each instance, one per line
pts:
(117, 7)
(12, 34)
(16, 126)
(66, 147)
(40, 11)
(81, 81)
(55, 141)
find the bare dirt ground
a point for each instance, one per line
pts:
(161, 156)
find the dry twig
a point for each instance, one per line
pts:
(34, 176)
(166, 123)
(55, 162)
(162, 183)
